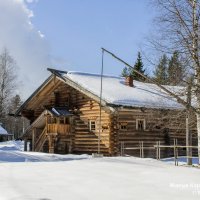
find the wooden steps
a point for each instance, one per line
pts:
(40, 141)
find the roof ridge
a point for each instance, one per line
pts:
(92, 74)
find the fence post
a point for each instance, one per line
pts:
(198, 158)
(175, 152)
(142, 149)
(158, 150)
(121, 148)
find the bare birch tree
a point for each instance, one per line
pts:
(7, 81)
(178, 29)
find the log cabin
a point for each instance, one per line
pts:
(64, 115)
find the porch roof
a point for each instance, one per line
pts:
(60, 111)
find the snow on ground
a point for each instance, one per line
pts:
(84, 178)
(182, 160)
(12, 145)
(12, 151)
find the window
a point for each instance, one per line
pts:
(62, 120)
(140, 124)
(123, 126)
(51, 120)
(92, 125)
(54, 120)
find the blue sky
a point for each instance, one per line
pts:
(69, 34)
(77, 29)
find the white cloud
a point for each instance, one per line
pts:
(26, 44)
(31, 1)
(41, 34)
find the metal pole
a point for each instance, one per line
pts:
(99, 135)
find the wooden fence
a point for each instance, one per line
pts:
(157, 149)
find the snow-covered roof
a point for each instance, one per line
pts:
(115, 91)
(3, 131)
(57, 111)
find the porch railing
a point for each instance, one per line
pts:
(58, 128)
(40, 141)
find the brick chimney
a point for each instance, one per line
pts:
(129, 81)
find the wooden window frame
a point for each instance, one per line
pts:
(62, 120)
(90, 125)
(144, 124)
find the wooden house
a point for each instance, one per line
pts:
(64, 114)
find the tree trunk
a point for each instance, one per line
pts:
(198, 132)
(188, 141)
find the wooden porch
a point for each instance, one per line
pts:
(63, 129)
(50, 135)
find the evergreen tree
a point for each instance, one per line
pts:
(161, 71)
(15, 125)
(15, 103)
(139, 67)
(176, 70)
(170, 71)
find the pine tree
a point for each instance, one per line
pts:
(161, 71)
(176, 70)
(15, 103)
(15, 125)
(139, 67)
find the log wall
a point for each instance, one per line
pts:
(161, 125)
(86, 141)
